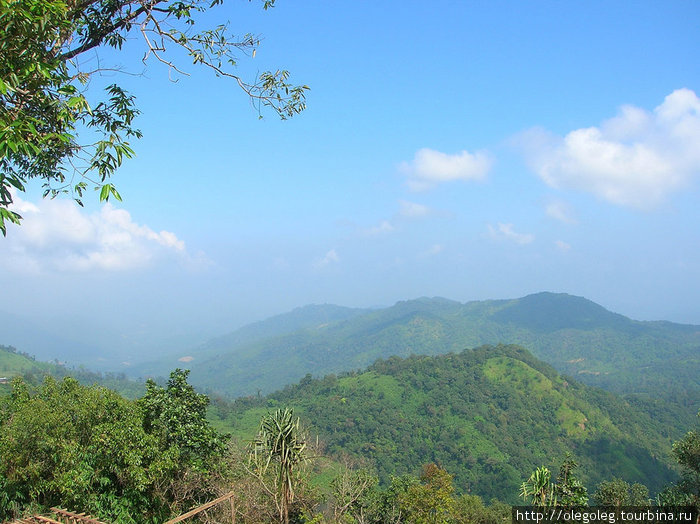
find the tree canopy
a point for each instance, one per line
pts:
(44, 103)
(88, 447)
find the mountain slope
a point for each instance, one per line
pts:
(575, 335)
(13, 363)
(300, 318)
(489, 416)
(17, 363)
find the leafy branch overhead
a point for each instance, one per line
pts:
(44, 102)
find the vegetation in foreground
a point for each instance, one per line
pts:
(89, 449)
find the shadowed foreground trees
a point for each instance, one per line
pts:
(89, 448)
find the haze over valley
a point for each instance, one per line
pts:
(347, 262)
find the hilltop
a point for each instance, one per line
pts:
(488, 415)
(577, 336)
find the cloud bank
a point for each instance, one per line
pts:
(57, 235)
(430, 168)
(635, 159)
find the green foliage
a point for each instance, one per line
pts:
(483, 427)
(570, 492)
(14, 362)
(687, 490)
(470, 509)
(576, 336)
(89, 448)
(177, 415)
(618, 493)
(44, 106)
(80, 447)
(408, 499)
(539, 489)
(567, 491)
(430, 502)
(280, 446)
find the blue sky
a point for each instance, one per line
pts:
(470, 150)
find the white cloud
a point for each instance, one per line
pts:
(59, 235)
(562, 246)
(430, 167)
(560, 211)
(506, 231)
(331, 257)
(635, 159)
(382, 228)
(413, 210)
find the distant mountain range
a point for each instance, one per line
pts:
(576, 336)
(490, 416)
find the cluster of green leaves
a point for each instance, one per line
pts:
(280, 448)
(357, 497)
(177, 415)
(486, 415)
(87, 447)
(618, 493)
(568, 491)
(44, 106)
(687, 490)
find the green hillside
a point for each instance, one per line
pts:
(489, 416)
(17, 363)
(14, 363)
(576, 336)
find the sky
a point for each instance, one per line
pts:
(469, 150)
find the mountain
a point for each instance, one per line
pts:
(306, 317)
(489, 416)
(573, 334)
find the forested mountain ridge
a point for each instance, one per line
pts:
(576, 336)
(305, 317)
(488, 415)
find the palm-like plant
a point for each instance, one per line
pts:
(539, 488)
(280, 444)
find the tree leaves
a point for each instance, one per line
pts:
(46, 122)
(89, 448)
(280, 444)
